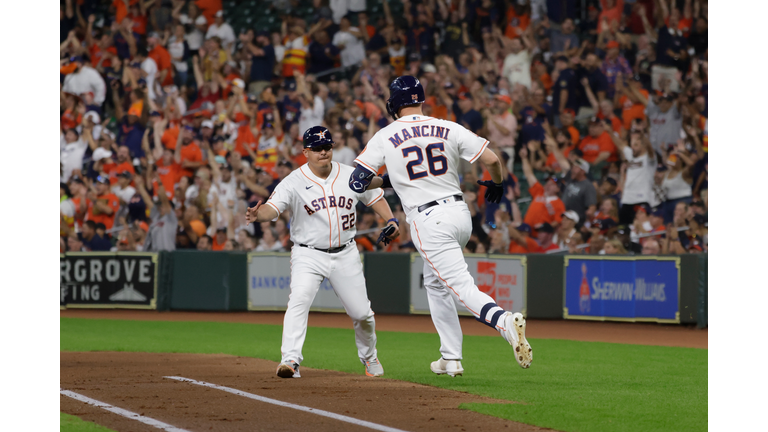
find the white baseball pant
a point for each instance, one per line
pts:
(345, 272)
(440, 234)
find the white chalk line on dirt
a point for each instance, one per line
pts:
(122, 412)
(319, 412)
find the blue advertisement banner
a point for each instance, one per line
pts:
(622, 289)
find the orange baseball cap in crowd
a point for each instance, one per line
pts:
(612, 44)
(144, 226)
(504, 98)
(569, 111)
(198, 227)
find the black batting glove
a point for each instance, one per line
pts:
(493, 191)
(387, 183)
(385, 233)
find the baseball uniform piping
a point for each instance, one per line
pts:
(438, 273)
(338, 220)
(330, 225)
(482, 149)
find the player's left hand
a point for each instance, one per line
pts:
(493, 191)
(389, 233)
(250, 213)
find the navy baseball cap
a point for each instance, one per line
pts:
(126, 174)
(317, 136)
(253, 99)
(102, 179)
(289, 85)
(75, 59)
(607, 223)
(658, 213)
(546, 228)
(524, 227)
(699, 219)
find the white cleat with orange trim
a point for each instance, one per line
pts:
(514, 333)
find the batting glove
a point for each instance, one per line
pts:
(385, 233)
(387, 183)
(493, 191)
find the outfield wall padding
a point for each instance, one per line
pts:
(387, 276)
(218, 281)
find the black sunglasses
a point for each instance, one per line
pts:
(318, 149)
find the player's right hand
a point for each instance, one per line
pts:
(493, 191)
(250, 213)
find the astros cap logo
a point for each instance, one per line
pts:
(321, 134)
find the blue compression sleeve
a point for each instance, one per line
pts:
(360, 179)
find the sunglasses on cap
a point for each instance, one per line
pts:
(318, 149)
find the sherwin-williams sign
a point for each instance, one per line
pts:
(622, 289)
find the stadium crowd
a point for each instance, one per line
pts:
(176, 115)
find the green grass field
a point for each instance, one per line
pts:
(571, 386)
(70, 423)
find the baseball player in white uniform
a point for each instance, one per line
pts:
(422, 158)
(323, 209)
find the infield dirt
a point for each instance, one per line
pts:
(134, 381)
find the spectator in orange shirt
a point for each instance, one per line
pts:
(546, 206)
(162, 58)
(187, 152)
(566, 120)
(631, 99)
(209, 9)
(562, 143)
(521, 241)
(123, 164)
(103, 204)
(598, 146)
(605, 113)
(612, 11)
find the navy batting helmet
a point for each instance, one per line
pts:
(404, 91)
(317, 136)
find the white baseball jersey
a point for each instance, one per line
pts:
(323, 209)
(422, 157)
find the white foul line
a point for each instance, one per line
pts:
(319, 412)
(119, 411)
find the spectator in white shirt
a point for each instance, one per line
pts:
(194, 23)
(223, 31)
(178, 48)
(517, 64)
(72, 152)
(85, 79)
(312, 106)
(502, 125)
(350, 41)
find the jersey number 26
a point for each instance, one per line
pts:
(431, 159)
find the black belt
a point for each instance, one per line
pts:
(434, 203)
(331, 250)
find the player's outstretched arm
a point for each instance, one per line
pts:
(494, 187)
(392, 230)
(260, 213)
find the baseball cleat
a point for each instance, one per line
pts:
(451, 367)
(288, 369)
(514, 333)
(373, 368)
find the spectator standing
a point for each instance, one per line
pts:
(262, 62)
(614, 66)
(665, 120)
(632, 99)
(564, 41)
(517, 64)
(502, 124)
(580, 194)
(470, 117)
(565, 89)
(223, 31)
(350, 42)
(195, 25)
(85, 79)
(312, 106)
(671, 50)
(597, 83)
(162, 58)
(546, 206)
(598, 146)
(296, 46)
(322, 53)
(637, 180)
(102, 204)
(73, 149)
(677, 181)
(179, 50)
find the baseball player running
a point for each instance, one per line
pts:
(422, 158)
(323, 232)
